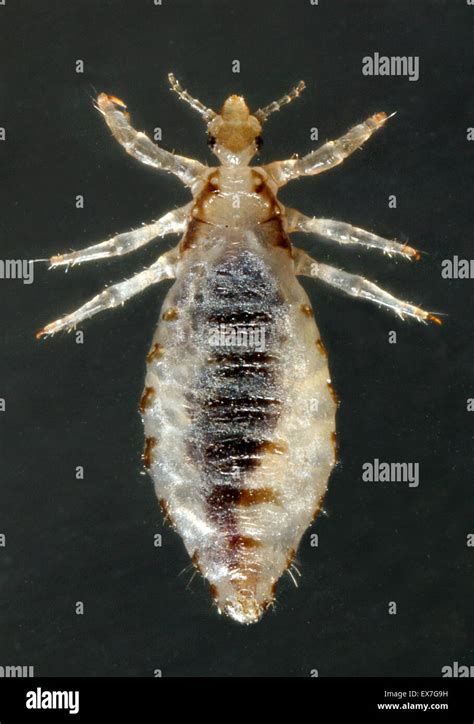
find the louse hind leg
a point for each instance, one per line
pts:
(357, 286)
(343, 233)
(162, 268)
(327, 156)
(138, 145)
(172, 223)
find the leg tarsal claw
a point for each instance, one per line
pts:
(52, 328)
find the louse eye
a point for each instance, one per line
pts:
(259, 142)
(211, 141)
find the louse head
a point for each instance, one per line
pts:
(234, 134)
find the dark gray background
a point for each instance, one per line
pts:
(68, 405)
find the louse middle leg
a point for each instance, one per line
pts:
(357, 286)
(163, 268)
(343, 233)
(173, 222)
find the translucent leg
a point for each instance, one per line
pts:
(163, 268)
(344, 233)
(329, 155)
(357, 286)
(172, 223)
(139, 146)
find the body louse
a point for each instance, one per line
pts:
(239, 454)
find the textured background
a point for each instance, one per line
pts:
(91, 540)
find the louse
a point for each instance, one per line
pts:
(240, 436)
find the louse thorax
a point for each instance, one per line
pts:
(234, 134)
(239, 197)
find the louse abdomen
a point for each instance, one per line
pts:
(229, 461)
(235, 407)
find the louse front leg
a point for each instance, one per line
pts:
(343, 233)
(357, 286)
(329, 155)
(138, 145)
(172, 223)
(163, 268)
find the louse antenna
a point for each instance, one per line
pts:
(263, 113)
(207, 113)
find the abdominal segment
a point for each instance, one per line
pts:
(221, 427)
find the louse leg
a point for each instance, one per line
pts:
(344, 233)
(138, 145)
(357, 286)
(163, 268)
(172, 223)
(329, 155)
